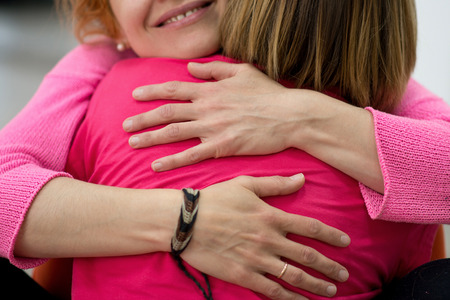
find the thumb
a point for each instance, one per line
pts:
(273, 185)
(217, 70)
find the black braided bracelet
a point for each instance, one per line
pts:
(183, 234)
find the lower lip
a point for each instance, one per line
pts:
(188, 20)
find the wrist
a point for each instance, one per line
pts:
(310, 112)
(161, 218)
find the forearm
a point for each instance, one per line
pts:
(340, 135)
(34, 145)
(70, 218)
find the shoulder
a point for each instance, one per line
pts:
(418, 100)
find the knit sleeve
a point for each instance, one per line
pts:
(35, 144)
(414, 152)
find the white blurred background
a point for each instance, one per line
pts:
(32, 40)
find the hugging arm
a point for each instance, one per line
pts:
(87, 220)
(46, 213)
(246, 113)
(413, 146)
(35, 144)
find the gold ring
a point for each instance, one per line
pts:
(283, 271)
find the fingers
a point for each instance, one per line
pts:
(188, 157)
(169, 134)
(272, 185)
(315, 229)
(217, 70)
(165, 114)
(270, 288)
(178, 90)
(174, 90)
(239, 273)
(310, 257)
(299, 278)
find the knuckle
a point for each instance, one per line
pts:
(166, 111)
(296, 278)
(333, 270)
(271, 217)
(193, 156)
(314, 227)
(262, 239)
(171, 89)
(274, 292)
(242, 179)
(309, 255)
(172, 130)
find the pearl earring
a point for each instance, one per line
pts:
(121, 46)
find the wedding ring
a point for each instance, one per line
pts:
(283, 271)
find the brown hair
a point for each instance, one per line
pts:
(365, 48)
(90, 17)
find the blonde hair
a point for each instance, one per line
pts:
(90, 17)
(365, 48)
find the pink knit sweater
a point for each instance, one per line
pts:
(413, 148)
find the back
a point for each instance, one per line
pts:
(380, 251)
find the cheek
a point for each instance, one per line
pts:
(199, 46)
(131, 17)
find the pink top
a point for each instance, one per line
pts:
(380, 251)
(33, 149)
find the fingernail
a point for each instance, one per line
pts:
(133, 141)
(138, 92)
(331, 290)
(157, 166)
(297, 176)
(345, 239)
(128, 125)
(343, 275)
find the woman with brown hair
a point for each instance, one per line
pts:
(365, 52)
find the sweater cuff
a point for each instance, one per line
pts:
(375, 202)
(17, 192)
(413, 189)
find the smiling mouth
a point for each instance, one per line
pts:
(183, 15)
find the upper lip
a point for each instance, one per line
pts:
(180, 10)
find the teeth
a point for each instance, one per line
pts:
(181, 16)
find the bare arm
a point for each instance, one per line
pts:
(70, 218)
(340, 135)
(34, 145)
